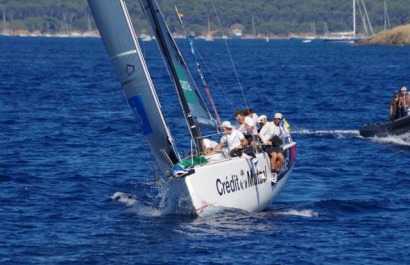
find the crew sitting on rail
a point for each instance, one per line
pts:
(232, 138)
(272, 135)
(247, 126)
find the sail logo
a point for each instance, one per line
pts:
(137, 105)
(228, 186)
(185, 85)
(235, 183)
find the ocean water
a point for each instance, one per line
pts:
(75, 178)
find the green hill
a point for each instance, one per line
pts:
(261, 16)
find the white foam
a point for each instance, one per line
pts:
(304, 213)
(124, 198)
(135, 206)
(337, 133)
(403, 140)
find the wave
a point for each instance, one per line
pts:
(304, 213)
(402, 140)
(134, 205)
(336, 133)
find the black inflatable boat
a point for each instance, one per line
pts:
(399, 126)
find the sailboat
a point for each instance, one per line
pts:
(4, 30)
(204, 186)
(344, 36)
(208, 36)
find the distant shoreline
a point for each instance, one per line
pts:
(26, 33)
(95, 34)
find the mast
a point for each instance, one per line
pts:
(386, 17)
(4, 21)
(195, 112)
(354, 18)
(253, 28)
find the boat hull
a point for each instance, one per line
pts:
(233, 183)
(396, 127)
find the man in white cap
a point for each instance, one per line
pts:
(404, 102)
(234, 139)
(262, 120)
(266, 134)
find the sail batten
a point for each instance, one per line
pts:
(123, 54)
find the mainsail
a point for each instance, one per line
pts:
(195, 110)
(114, 24)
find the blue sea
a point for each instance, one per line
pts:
(76, 180)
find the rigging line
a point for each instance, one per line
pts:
(367, 18)
(214, 78)
(206, 88)
(230, 55)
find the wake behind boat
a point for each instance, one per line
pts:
(206, 185)
(396, 127)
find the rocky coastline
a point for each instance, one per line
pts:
(399, 36)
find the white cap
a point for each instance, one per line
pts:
(278, 116)
(404, 89)
(261, 117)
(226, 124)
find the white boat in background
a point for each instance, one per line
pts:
(351, 36)
(237, 34)
(208, 36)
(312, 36)
(204, 186)
(348, 36)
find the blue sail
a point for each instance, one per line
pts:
(115, 27)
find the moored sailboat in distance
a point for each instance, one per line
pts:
(204, 185)
(350, 36)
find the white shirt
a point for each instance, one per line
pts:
(255, 119)
(270, 129)
(206, 143)
(249, 121)
(233, 140)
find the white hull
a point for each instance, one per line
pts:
(232, 183)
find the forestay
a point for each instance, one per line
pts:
(195, 110)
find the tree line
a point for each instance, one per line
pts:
(257, 16)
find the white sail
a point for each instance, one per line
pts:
(120, 40)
